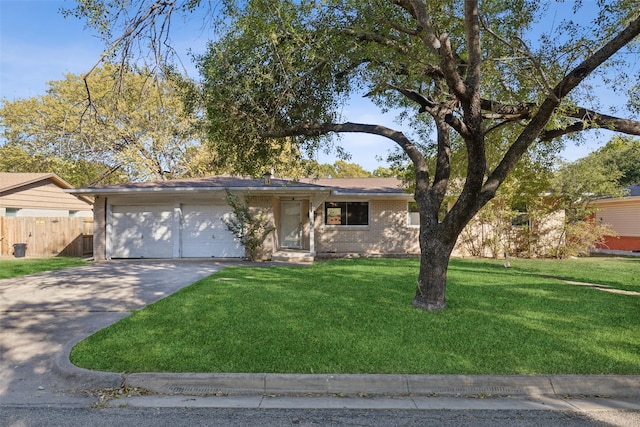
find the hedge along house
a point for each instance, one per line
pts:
(185, 218)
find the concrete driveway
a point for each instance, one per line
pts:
(43, 313)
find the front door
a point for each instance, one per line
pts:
(291, 225)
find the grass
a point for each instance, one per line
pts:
(621, 273)
(14, 267)
(355, 316)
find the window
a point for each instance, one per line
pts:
(413, 215)
(521, 216)
(346, 213)
(73, 214)
(11, 211)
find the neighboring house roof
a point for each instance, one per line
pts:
(10, 182)
(631, 199)
(632, 194)
(338, 186)
(634, 190)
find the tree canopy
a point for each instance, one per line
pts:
(139, 128)
(14, 158)
(340, 169)
(621, 154)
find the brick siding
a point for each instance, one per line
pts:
(387, 232)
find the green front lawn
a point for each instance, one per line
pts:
(13, 267)
(355, 316)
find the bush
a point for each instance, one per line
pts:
(250, 225)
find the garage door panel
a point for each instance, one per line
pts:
(146, 232)
(141, 232)
(204, 234)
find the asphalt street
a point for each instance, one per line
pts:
(195, 417)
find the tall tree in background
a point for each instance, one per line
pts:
(340, 169)
(78, 173)
(139, 128)
(622, 153)
(467, 70)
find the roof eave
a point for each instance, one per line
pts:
(615, 200)
(265, 189)
(52, 176)
(372, 194)
(156, 190)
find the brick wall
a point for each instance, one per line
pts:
(387, 232)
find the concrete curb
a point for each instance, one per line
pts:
(196, 384)
(386, 385)
(596, 385)
(82, 378)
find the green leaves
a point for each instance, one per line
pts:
(250, 225)
(122, 119)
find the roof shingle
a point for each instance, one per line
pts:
(342, 185)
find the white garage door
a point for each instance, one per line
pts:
(141, 231)
(204, 234)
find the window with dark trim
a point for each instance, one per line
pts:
(521, 215)
(413, 214)
(346, 213)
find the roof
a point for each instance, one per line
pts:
(632, 195)
(14, 180)
(360, 185)
(222, 181)
(345, 186)
(11, 180)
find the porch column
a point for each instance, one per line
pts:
(312, 229)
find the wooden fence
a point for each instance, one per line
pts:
(47, 236)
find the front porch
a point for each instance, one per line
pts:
(295, 239)
(300, 256)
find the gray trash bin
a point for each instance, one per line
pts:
(19, 250)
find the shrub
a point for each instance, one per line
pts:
(250, 225)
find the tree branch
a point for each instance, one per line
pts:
(522, 109)
(472, 26)
(536, 126)
(376, 38)
(629, 127)
(424, 102)
(458, 125)
(450, 69)
(319, 129)
(587, 66)
(526, 52)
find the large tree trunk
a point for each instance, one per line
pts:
(432, 278)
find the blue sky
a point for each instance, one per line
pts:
(37, 45)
